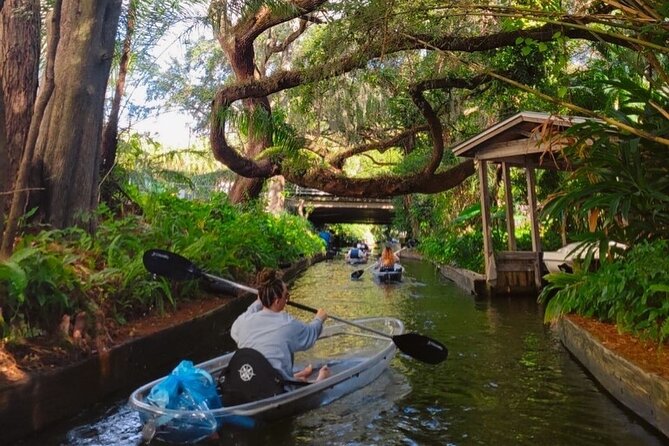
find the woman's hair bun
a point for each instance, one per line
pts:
(266, 276)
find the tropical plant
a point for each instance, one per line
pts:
(620, 183)
(58, 273)
(632, 292)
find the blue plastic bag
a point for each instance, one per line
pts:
(193, 391)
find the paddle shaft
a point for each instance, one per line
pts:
(294, 304)
(353, 324)
(177, 267)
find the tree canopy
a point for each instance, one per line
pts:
(312, 89)
(366, 77)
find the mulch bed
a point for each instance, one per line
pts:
(649, 356)
(47, 353)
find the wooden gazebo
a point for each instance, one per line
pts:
(528, 140)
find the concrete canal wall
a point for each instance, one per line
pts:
(646, 394)
(40, 399)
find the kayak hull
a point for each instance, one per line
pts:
(388, 276)
(352, 368)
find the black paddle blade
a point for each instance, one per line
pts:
(421, 347)
(171, 265)
(356, 274)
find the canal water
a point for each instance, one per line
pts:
(507, 381)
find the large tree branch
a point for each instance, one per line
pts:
(227, 155)
(250, 88)
(247, 167)
(274, 47)
(282, 80)
(436, 129)
(384, 186)
(248, 30)
(338, 159)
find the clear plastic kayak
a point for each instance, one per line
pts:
(354, 356)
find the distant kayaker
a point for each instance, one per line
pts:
(267, 328)
(356, 255)
(327, 238)
(388, 259)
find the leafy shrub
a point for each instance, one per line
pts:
(632, 292)
(619, 185)
(39, 286)
(460, 249)
(59, 272)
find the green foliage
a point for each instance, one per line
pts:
(620, 179)
(618, 191)
(144, 167)
(460, 249)
(54, 273)
(348, 234)
(38, 285)
(632, 292)
(461, 243)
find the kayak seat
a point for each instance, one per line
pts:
(249, 377)
(385, 269)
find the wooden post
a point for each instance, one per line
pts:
(508, 199)
(563, 228)
(534, 221)
(488, 255)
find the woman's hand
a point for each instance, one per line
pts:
(321, 314)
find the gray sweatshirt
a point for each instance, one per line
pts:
(276, 335)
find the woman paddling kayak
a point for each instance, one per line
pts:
(267, 328)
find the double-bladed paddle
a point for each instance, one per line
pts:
(357, 273)
(176, 267)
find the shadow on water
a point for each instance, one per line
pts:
(508, 380)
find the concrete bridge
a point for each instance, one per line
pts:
(326, 208)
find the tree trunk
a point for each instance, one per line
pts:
(19, 64)
(275, 198)
(3, 160)
(20, 193)
(110, 134)
(3, 154)
(407, 202)
(241, 56)
(67, 152)
(245, 189)
(63, 149)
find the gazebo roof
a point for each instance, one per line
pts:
(521, 139)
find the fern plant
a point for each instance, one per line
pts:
(632, 292)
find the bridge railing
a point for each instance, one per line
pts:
(294, 191)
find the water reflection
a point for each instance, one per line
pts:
(508, 380)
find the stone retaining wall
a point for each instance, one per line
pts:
(644, 393)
